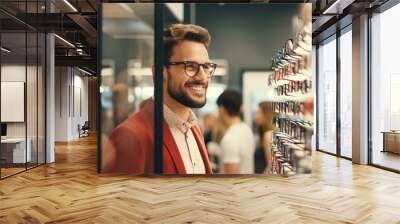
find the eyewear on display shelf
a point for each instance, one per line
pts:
(293, 88)
(278, 74)
(294, 53)
(285, 147)
(301, 40)
(291, 80)
(295, 131)
(289, 107)
(289, 46)
(290, 73)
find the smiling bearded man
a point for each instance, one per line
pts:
(186, 74)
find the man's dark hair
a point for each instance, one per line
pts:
(181, 32)
(231, 100)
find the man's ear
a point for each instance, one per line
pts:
(221, 110)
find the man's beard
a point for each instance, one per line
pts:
(183, 97)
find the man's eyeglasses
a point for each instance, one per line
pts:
(192, 68)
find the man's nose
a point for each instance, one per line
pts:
(202, 74)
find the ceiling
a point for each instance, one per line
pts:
(76, 22)
(73, 20)
(332, 15)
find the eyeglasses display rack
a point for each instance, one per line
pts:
(293, 104)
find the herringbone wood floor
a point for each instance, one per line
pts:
(70, 191)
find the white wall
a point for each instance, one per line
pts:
(71, 93)
(16, 73)
(33, 126)
(254, 92)
(62, 81)
(80, 100)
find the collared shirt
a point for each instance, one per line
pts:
(237, 147)
(185, 140)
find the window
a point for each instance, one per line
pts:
(385, 88)
(346, 93)
(327, 96)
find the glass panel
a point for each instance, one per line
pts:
(127, 87)
(327, 96)
(32, 87)
(385, 89)
(13, 86)
(346, 94)
(23, 81)
(2, 127)
(314, 81)
(41, 99)
(31, 98)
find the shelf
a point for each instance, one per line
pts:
(302, 98)
(297, 118)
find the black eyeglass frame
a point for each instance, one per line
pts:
(186, 63)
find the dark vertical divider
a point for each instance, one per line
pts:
(37, 88)
(338, 115)
(369, 79)
(26, 86)
(158, 92)
(45, 89)
(316, 113)
(99, 108)
(1, 165)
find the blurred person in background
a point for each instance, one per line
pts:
(213, 132)
(120, 102)
(213, 128)
(237, 145)
(264, 123)
(209, 122)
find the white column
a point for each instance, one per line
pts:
(50, 109)
(360, 90)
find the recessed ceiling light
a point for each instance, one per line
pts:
(64, 40)
(337, 7)
(5, 50)
(84, 71)
(70, 5)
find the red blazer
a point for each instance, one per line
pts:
(130, 147)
